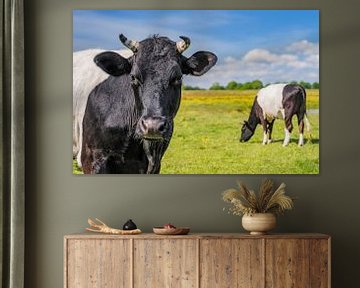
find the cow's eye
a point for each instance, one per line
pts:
(134, 80)
(176, 81)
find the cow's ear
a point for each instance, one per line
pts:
(112, 63)
(199, 63)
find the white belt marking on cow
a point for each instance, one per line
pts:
(270, 100)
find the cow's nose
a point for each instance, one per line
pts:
(153, 127)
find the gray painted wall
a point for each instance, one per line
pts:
(59, 203)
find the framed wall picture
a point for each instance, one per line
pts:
(196, 91)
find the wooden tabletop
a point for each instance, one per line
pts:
(89, 235)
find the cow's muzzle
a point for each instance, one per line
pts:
(153, 128)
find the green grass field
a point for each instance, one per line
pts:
(207, 131)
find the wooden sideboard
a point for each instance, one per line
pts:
(197, 260)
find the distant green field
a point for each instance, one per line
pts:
(207, 131)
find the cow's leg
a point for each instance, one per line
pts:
(270, 128)
(107, 163)
(94, 161)
(287, 137)
(265, 137)
(154, 152)
(263, 123)
(288, 127)
(300, 117)
(78, 158)
(86, 159)
(100, 166)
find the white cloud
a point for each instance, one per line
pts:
(263, 55)
(298, 61)
(303, 47)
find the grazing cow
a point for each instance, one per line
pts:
(277, 101)
(128, 121)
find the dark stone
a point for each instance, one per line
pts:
(129, 225)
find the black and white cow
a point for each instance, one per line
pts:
(277, 101)
(86, 76)
(128, 120)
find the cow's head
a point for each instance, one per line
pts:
(155, 73)
(246, 132)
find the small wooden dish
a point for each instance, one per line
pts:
(171, 231)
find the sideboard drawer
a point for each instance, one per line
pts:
(98, 263)
(231, 263)
(165, 263)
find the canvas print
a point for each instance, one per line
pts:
(196, 92)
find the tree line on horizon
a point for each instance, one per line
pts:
(252, 85)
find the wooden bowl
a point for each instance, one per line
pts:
(171, 231)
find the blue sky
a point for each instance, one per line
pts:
(270, 45)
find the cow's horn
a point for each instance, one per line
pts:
(131, 44)
(183, 44)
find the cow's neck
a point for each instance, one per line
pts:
(254, 120)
